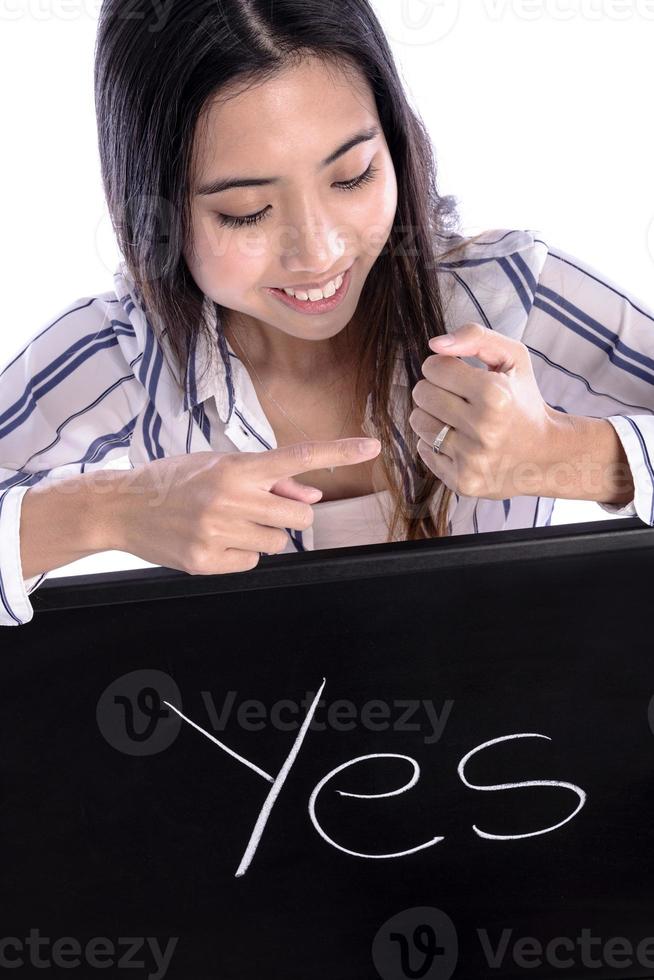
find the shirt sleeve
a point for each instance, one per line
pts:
(68, 404)
(592, 349)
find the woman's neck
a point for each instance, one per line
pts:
(291, 359)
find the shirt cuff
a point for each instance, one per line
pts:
(15, 606)
(632, 433)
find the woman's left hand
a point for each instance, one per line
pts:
(502, 432)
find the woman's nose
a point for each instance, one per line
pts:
(314, 249)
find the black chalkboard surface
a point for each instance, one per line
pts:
(428, 759)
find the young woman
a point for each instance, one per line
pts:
(288, 262)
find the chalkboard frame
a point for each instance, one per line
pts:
(336, 564)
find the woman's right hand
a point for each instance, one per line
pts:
(219, 511)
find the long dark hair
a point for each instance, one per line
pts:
(153, 82)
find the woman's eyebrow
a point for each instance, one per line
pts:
(217, 186)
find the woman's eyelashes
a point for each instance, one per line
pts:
(348, 185)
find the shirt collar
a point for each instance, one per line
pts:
(203, 378)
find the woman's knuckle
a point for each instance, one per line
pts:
(199, 558)
(418, 388)
(279, 542)
(303, 452)
(308, 517)
(469, 484)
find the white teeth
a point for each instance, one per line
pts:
(314, 295)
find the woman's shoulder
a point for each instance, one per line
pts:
(506, 261)
(116, 316)
(69, 328)
(468, 251)
(491, 278)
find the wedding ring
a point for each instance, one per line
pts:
(438, 441)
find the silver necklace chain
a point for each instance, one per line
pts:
(330, 468)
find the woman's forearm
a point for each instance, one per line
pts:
(586, 461)
(70, 519)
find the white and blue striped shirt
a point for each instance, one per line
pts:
(93, 385)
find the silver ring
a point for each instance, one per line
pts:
(438, 441)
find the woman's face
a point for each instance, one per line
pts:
(309, 227)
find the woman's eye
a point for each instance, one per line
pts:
(254, 219)
(365, 178)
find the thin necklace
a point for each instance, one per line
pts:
(330, 468)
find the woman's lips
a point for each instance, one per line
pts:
(321, 306)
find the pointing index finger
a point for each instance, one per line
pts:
(302, 457)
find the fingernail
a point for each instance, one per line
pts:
(443, 341)
(314, 494)
(367, 445)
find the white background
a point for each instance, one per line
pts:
(539, 111)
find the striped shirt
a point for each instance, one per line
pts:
(93, 385)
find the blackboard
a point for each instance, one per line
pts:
(486, 716)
